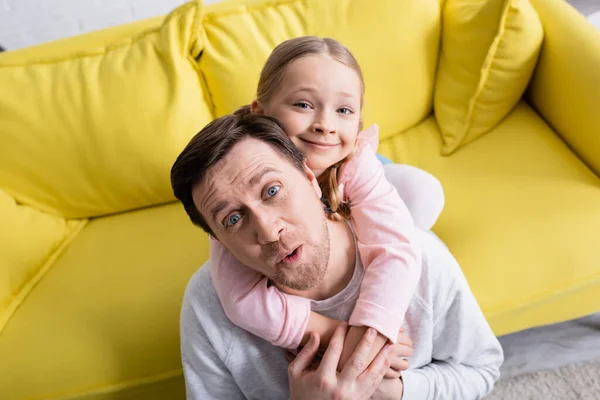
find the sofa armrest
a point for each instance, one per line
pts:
(565, 88)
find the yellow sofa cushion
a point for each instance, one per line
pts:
(31, 241)
(489, 51)
(104, 320)
(95, 131)
(395, 42)
(521, 216)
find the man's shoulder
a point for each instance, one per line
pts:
(200, 286)
(441, 276)
(201, 306)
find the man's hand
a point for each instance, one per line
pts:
(389, 389)
(355, 334)
(353, 382)
(399, 351)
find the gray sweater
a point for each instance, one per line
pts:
(456, 355)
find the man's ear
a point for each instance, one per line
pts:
(255, 108)
(313, 180)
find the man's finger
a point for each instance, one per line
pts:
(332, 355)
(305, 357)
(289, 356)
(358, 361)
(378, 368)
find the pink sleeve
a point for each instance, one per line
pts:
(251, 304)
(386, 239)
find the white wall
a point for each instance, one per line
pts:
(27, 22)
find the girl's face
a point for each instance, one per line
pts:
(318, 102)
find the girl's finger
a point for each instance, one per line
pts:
(404, 339)
(359, 359)
(401, 350)
(391, 373)
(305, 357)
(400, 364)
(332, 355)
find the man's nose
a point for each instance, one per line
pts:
(324, 124)
(268, 227)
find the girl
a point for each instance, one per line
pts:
(315, 88)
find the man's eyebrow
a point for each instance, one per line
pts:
(217, 209)
(258, 175)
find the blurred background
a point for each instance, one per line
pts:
(55, 19)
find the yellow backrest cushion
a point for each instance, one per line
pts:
(489, 51)
(395, 42)
(29, 240)
(95, 131)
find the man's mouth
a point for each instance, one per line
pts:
(293, 256)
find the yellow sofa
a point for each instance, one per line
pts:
(95, 255)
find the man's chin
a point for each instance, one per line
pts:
(301, 279)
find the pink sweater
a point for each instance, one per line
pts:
(388, 249)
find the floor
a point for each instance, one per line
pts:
(586, 7)
(551, 346)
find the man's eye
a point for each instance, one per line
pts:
(345, 110)
(233, 219)
(273, 190)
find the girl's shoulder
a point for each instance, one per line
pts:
(368, 139)
(363, 163)
(365, 151)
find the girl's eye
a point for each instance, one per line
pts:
(233, 219)
(345, 110)
(273, 190)
(302, 104)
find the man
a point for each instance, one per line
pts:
(243, 181)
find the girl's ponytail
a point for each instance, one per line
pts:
(243, 111)
(338, 209)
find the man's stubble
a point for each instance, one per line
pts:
(307, 276)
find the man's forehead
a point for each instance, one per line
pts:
(244, 156)
(244, 160)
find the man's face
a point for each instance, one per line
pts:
(267, 213)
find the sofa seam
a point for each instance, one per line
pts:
(105, 49)
(47, 264)
(543, 296)
(486, 68)
(119, 386)
(245, 8)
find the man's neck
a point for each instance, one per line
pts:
(342, 260)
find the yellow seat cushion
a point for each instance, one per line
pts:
(105, 316)
(521, 217)
(94, 131)
(399, 80)
(489, 51)
(31, 241)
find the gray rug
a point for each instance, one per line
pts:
(577, 382)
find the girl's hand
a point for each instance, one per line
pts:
(324, 382)
(399, 354)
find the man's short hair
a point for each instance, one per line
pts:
(214, 142)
